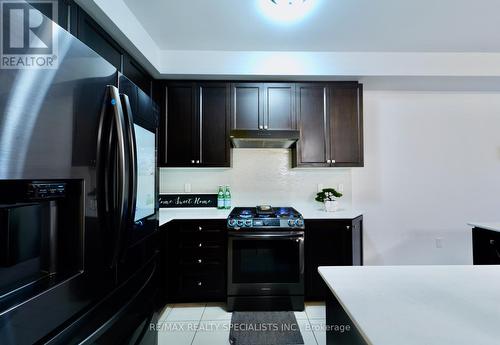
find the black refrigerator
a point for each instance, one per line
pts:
(78, 203)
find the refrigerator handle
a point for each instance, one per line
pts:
(112, 167)
(129, 120)
(104, 171)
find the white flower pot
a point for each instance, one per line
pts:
(331, 205)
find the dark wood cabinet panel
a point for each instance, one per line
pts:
(330, 243)
(180, 125)
(90, 33)
(330, 118)
(196, 256)
(74, 19)
(196, 125)
(279, 109)
(346, 125)
(136, 73)
(214, 100)
(247, 105)
(485, 247)
(313, 148)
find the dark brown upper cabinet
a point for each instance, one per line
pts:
(214, 110)
(196, 125)
(263, 106)
(247, 106)
(313, 148)
(330, 119)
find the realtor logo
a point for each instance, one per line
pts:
(27, 34)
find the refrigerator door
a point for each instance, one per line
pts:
(138, 108)
(48, 130)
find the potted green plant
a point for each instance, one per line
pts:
(327, 197)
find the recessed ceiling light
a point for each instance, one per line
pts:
(286, 11)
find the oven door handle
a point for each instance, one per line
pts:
(290, 235)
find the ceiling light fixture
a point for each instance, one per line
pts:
(286, 11)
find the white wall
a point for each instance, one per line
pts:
(432, 163)
(260, 176)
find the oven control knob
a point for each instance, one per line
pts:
(299, 222)
(240, 222)
(291, 222)
(248, 222)
(232, 222)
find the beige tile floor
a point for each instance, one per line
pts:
(208, 324)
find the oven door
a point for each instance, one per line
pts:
(266, 263)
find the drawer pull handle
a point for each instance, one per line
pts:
(199, 284)
(348, 227)
(200, 261)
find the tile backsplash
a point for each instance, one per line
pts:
(260, 176)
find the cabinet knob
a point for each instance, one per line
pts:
(333, 161)
(200, 261)
(265, 127)
(198, 162)
(199, 284)
(492, 242)
(261, 127)
(192, 162)
(348, 227)
(328, 161)
(199, 245)
(200, 228)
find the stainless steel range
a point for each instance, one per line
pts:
(265, 259)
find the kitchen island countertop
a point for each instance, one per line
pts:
(415, 305)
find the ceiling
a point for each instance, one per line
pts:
(334, 25)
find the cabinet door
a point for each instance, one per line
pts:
(346, 125)
(327, 243)
(247, 106)
(313, 147)
(486, 247)
(214, 108)
(180, 149)
(90, 33)
(133, 71)
(279, 106)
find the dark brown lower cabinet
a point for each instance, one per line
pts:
(195, 254)
(486, 247)
(330, 243)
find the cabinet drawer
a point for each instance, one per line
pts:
(202, 260)
(206, 226)
(202, 285)
(192, 243)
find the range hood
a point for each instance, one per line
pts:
(269, 139)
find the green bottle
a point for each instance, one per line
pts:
(220, 198)
(227, 198)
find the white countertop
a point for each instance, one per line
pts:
(420, 305)
(494, 226)
(307, 211)
(168, 214)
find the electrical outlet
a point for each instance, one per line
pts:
(439, 242)
(320, 187)
(341, 187)
(187, 187)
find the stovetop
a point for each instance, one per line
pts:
(265, 217)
